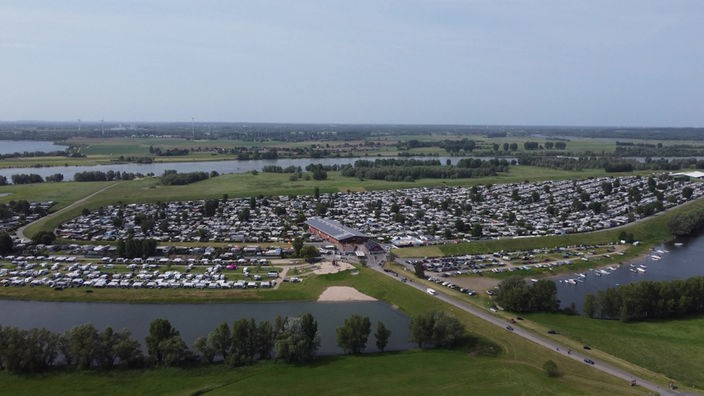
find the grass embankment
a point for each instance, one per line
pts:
(516, 370)
(408, 373)
(673, 347)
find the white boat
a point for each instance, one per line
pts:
(678, 244)
(655, 257)
(640, 269)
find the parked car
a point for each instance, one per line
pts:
(552, 332)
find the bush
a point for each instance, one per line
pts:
(550, 368)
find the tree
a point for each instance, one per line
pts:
(297, 339)
(309, 251)
(550, 368)
(421, 327)
(297, 245)
(44, 237)
(437, 328)
(221, 340)
(687, 192)
(79, 346)
(419, 270)
(205, 348)
(5, 243)
(174, 351)
(244, 342)
(382, 336)
(160, 331)
(353, 335)
(265, 339)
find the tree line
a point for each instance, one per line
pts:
(647, 300)
(287, 339)
(411, 170)
(173, 178)
(515, 295)
(686, 223)
(89, 176)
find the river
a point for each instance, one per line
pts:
(676, 262)
(20, 146)
(194, 320)
(222, 167)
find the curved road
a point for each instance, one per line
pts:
(25, 239)
(545, 342)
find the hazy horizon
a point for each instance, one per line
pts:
(411, 62)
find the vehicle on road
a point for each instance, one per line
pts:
(589, 361)
(509, 328)
(432, 292)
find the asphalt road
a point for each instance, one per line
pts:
(543, 341)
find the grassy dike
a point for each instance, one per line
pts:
(517, 369)
(672, 347)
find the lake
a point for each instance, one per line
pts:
(194, 320)
(676, 262)
(222, 167)
(20, 146)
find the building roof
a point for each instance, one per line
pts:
(334, 228)
(695, 174)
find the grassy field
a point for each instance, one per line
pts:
(410, 373)
(674, 348)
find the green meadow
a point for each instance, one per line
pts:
(673, 347)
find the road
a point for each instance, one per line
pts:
(20, 231)
(542, 341)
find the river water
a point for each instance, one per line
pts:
(222, 167)
(194, 320)
(677, 262)
(20, 146)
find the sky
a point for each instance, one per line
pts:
(477, 62)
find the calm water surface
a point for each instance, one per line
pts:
(20, 146)
(231, 166)
(194, 320)
(677, 262)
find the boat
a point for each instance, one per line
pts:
(640, 269)
(655, 257)
(678, 244)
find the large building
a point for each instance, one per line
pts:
(345, 238)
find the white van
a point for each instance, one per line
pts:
(431, 292)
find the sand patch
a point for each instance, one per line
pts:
(326, 267)
(343, 293)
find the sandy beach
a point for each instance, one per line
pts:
(343, 293)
